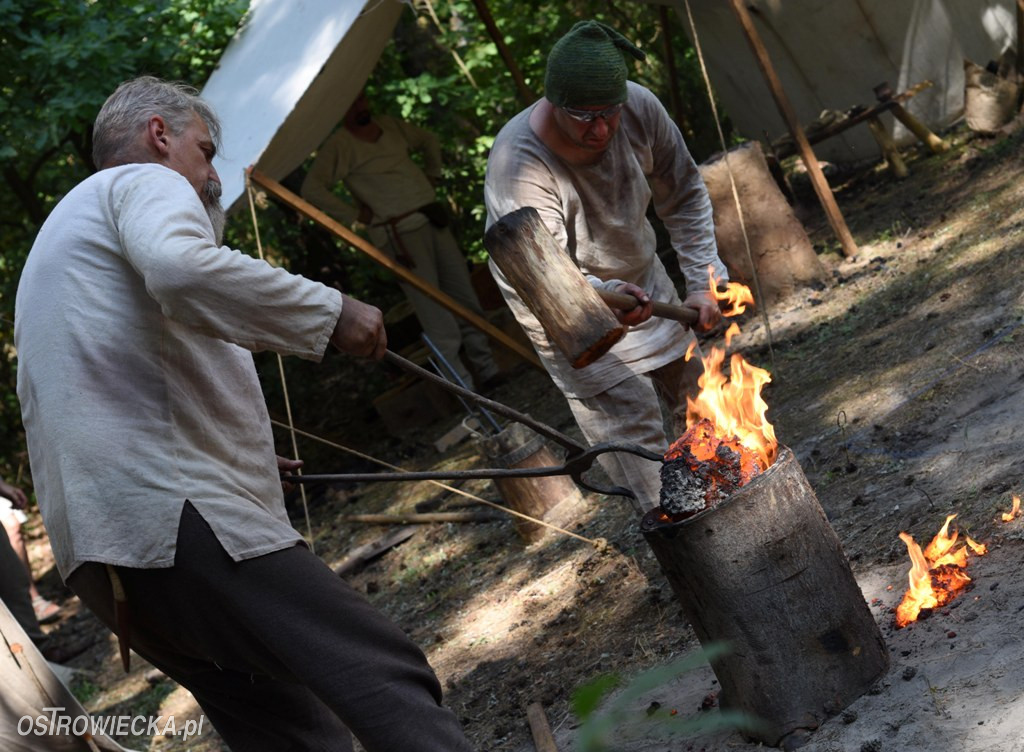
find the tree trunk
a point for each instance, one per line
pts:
(764, 572)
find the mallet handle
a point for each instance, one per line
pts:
(625, 302)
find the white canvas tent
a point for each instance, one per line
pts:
(829, 54)
(287, 78)
(291, 72)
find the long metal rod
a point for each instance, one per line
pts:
(545, 430)
(453, 375)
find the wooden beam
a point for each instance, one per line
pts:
(539, 728)
(307, 209)
(889, 149)
(527, 96)
(818, 181)
(670, 65)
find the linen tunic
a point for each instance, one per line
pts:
(598, 213)
(380, 174)
(137, 387)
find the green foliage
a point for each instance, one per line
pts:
(420, 78)
(61, 59)
(618, 719)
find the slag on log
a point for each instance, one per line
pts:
(728, 440)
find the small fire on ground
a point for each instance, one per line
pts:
(938, 573)
(1014, 513)
(728, 441)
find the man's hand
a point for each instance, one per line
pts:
(286, 466)
(641, 312)
(16, 495)
(360, 330)
(708, 312)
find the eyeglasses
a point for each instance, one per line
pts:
(589, 116)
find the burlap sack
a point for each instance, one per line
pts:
(782, 253)
(990, 101)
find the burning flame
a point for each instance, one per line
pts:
(729, 409)
(734, 406)
(736, 295)
(937, 573)
(1013, 513)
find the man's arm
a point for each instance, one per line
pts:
(318, 187)
(426, 143)
(360, 330)
(167, 238)
(682, 202)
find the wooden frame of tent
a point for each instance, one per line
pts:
(339, 230)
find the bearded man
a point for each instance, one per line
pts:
(591, 156)
(152, 452)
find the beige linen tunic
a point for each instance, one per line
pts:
(380, 174)
(598, 214)
(137, 387)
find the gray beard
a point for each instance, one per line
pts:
(211, 201)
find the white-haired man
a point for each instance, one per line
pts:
(153, 457)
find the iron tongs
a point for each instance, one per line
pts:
(578, 459)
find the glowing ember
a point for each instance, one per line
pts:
(1013, 513)
(728, 440)
(937, 574)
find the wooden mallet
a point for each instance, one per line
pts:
(575, 314)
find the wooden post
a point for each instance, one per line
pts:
(764, 572)
(821, 187)
(542, 738)
(919, 129)
(552, 287)
(527, 96)
(890, 152)
(307, 209)
(670, 64)
(1020, 41)
(555, 499)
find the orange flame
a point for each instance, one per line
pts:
(1013, 513)
(736, 295)
(734, 404)
(937, 574)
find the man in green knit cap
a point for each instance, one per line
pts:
(590, 157)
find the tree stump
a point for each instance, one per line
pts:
(782, 253)
(764, 572)
(555, 499)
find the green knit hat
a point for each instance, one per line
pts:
(586, 67)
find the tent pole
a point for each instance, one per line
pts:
(821, 187)
(670, 63)
(1020, 40)
(307, 209)
(527, 96)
